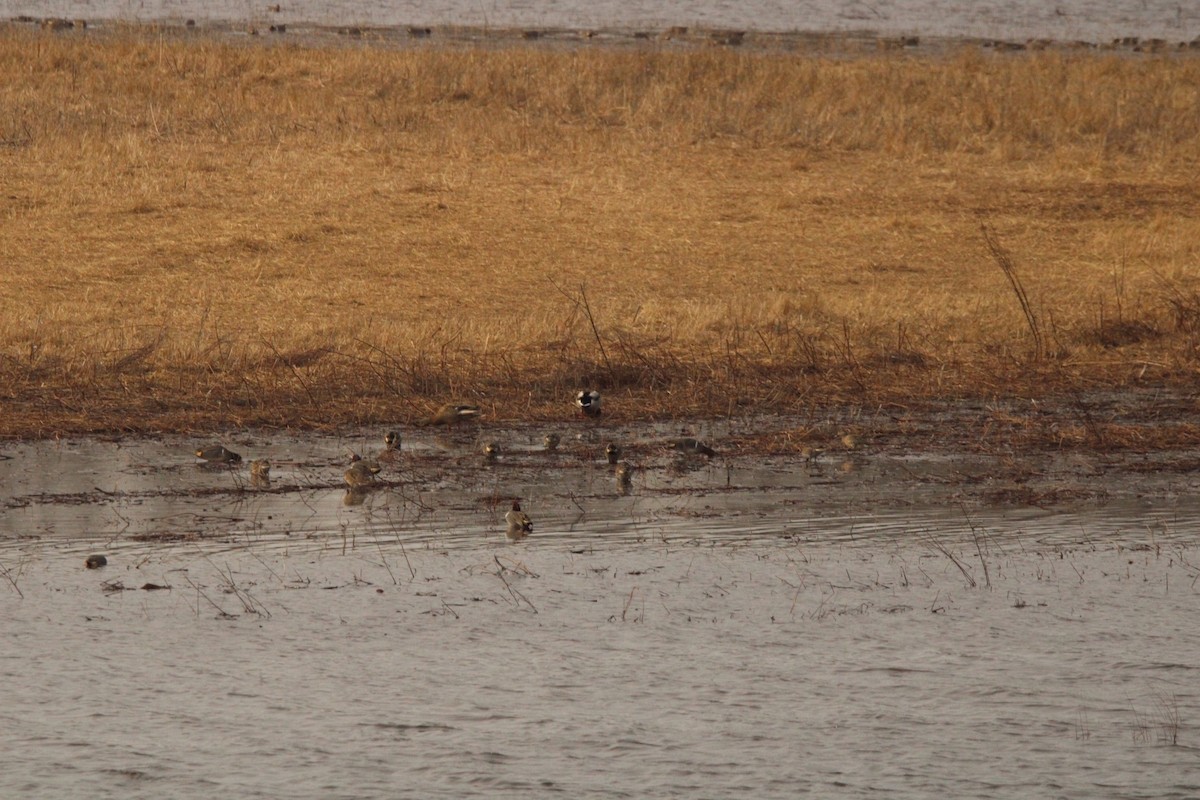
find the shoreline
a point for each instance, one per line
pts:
(674, 37)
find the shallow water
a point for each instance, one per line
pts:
(1064, 20)
(869, 624)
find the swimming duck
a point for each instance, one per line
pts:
(550, 441)
(218, 454)
(519, 523)
(260, 472)
(612, 452)
(490, 451)
(361, 473)
(689, 446)
(588, 401)
(95, 561)
(454, 414)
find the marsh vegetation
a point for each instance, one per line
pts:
(201, 233)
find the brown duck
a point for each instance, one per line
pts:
(519, 523)
(454, 414)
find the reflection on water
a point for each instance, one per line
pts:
(758, 627)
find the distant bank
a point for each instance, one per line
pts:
(1065, 20)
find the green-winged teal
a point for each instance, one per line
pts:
(361, 473)
(491, 451)
(218, 454)
(550, 441)
(612, 452)
(454, 414)
(588, 402)
(519, 523)
(691, 447)
(95, 561)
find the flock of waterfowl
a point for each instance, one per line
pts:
(362, 473)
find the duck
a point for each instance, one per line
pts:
(218, 454)
(689, 446)
(550, 441)
(260, 472)
(612, 452)
(519, 523)
(450, 414)
(588, 401)
(361, 474)
(810, 453)
(490, 451)
(624, 476)
(391, 448)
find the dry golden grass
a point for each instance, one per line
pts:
(199, 233)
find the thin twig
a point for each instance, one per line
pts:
(1004, 261)
(201, 592)
(628, 601)
(386, 565)
(515, 593)
(974, 535)
(8, 575)
(587, 310)
(411, 572)
(938, 546)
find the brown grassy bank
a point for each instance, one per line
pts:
(198, 233)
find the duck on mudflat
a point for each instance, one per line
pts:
(691, 447)
(218, 454)
(588, 402)
(451, 414)
(260, 472)
(623, 475)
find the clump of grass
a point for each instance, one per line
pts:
(202, 233)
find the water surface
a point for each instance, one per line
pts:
(1016, 19)
(871, 623)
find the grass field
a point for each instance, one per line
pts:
(198, 233)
